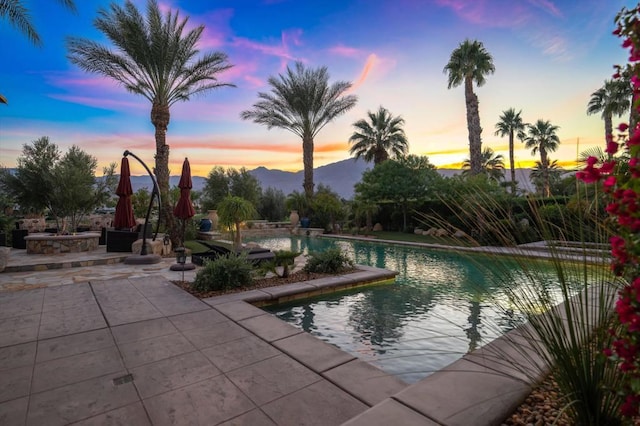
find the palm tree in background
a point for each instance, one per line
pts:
(541, 137)
(471, 62)
(511, 125)
(614, 98)
(157, 58)
(492, 165)
(380, 138)
(17, 14)
(540, 175)
(303, 102)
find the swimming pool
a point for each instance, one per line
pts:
(442, 305)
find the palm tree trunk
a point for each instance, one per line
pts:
(160, 117)
(544, 162)
(473, 127)
(608, 126)
(307, 161)
(512, 164)
(238, 238)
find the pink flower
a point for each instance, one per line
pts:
(623, 127)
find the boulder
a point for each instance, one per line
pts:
(418, 231)
(441, 233)
(153, 247)
(460, 234)
(431, 232)
(4, 257)
(377, 227)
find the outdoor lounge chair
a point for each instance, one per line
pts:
(254, 255)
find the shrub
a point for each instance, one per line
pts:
(331, 261)
(224, 273)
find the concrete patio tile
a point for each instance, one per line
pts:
(17, 355)
(208, 402)
(464, 392)
(69, 321)
(269, 327)
(240, 353)
(239, 310)
(15, 383)
(364, 381)
(312, 352)
(143, 330)
(14, 412)
(252, 418)
(126, 311)
(215, 334)
(67, 296)
(76, 368)
(19, 329)
(21, 303)
(272, 378)
(177, 304)
(172, 373)
(114, 290)
(154, 349)
(80, 400)
(60, 347)
(200, 319)
(248, 296)
(133, 414)
(390, 412)
(320, 404)
(287, 290)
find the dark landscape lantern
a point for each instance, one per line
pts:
(181, 255)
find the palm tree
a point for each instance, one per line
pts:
(470, 62)
(541, 137)
(614, 98)
(381, 139)
(511, 125)
(154, 57)
(232, 212)
(17, 14)
(539, 175)
(492, 165)
(303, 102)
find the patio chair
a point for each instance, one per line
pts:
(254, 255)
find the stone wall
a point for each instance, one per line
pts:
(55, 244)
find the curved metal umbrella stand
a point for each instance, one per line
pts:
(145, 258)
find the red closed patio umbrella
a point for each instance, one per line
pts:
(184, 210)
(124, 217)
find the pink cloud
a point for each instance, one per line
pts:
(373, 65)
(547, 6)
(349, 52)
(98, 102)
(494, 13)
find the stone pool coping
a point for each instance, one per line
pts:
(483, 387)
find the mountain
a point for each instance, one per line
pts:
(340, 176)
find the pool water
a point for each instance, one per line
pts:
(442, 305)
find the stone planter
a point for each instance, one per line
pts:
(212, 215)
(294, 218)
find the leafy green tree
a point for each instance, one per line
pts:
(232, 211)
(471, 62)
(492, 165)
(140, 201)
(541, 137)
(298, 201)
(272, 205)
(33, 181)
(156, 57)
(614, 98)
(303, 102)
(327, 208)
(511, 125)
(394, 182)
(221, 183)
(380, 138)
(364, 208)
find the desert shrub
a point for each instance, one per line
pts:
(281, 263)
(224, 273)
(331, 261)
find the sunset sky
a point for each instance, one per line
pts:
(549, 55)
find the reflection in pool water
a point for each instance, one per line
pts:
(441, 306)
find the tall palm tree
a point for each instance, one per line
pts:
(157, 58)
(511, 125)
(614, 98)
(539, 175)
(471, 62)
(17, 14)
(541, 137)
(303, 102)
(492, 165)
(381, 139)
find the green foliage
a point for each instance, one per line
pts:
(381, 139)
(140, 201)
(224, 273)
(327, 208)
(272, 205)
(232, 211)
(283, 259)
(221, 183)
(298, 201)
(331, 261)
